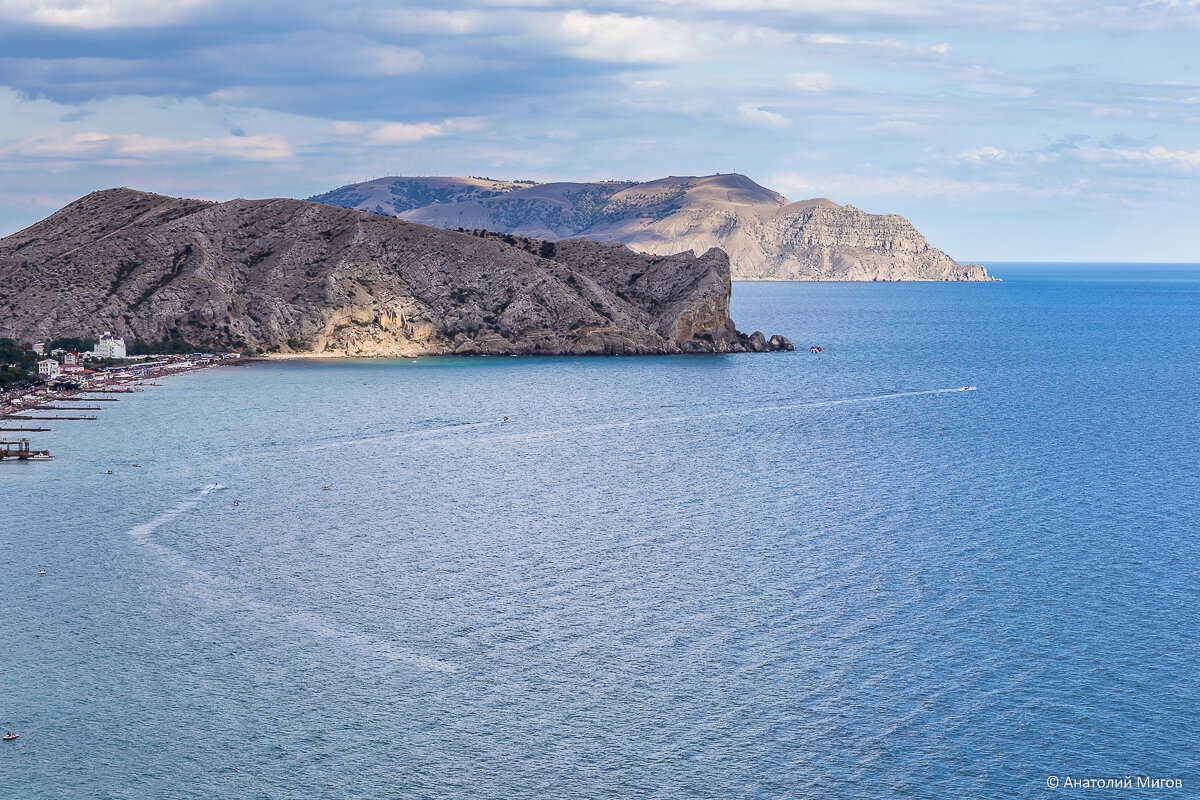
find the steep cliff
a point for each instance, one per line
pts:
(307, 277)
(766, 237)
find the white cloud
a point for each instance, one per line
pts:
(398, 133)
(1015, 15)
(343, 128)
(890, 47)
(898, 129)
(628, 39)
(798, 185)
(1111, 111)
(1182, 160)
(88, 145)
(748, 112)
(1001, 90)
(982, 154)
(100, 13)
(616, 37)
(405, 133)
(810, 81)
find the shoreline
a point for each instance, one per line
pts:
(22, 406)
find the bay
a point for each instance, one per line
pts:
(776, 575)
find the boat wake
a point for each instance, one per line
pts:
(729, 412)
(518, 434)
(233, 603)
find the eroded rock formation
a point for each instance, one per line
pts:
(299, 276)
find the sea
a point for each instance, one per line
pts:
(785, 576)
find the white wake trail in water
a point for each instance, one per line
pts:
(728, 412)
(221, 594)
(518, 434)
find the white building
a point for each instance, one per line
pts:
(109, 347)
(49, 368)
(39, 348)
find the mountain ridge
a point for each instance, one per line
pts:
(766, 236)
(297, 276)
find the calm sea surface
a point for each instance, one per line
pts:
(761, 576)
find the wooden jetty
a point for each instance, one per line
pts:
(24, 430)
(23, 417)
(66, 408)
(18, 450)
(89, 399)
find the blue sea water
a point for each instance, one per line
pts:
(747, 576)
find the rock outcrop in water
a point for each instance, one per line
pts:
(305, 277)
(766, 236)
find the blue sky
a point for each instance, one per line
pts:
(1027, 130)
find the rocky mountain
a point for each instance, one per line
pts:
(396, 195)
(307, 277)
(766, 236)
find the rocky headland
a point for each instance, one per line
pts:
(293, 276)
(766, 236)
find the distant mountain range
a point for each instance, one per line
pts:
(294, 276)
(766, 236)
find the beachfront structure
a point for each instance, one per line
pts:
(109, 347)
(48, 368)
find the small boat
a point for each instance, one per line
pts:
(324, 488)
(108, 472)
(967, 389)
(41, 572)
(8, 737)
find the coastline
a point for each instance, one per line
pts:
(22, 405)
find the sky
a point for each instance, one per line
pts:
(1056, 130)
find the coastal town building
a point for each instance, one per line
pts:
(70, 359)
(39, 348)
(109, 347)
(49, 368)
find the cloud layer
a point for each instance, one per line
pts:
(978, 120)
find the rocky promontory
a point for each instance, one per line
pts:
(293, 276)
(766, 236)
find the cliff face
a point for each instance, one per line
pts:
(766, 237)
(308, 277)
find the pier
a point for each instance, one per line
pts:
(18, 450)
(66, 408)
(66, 396)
